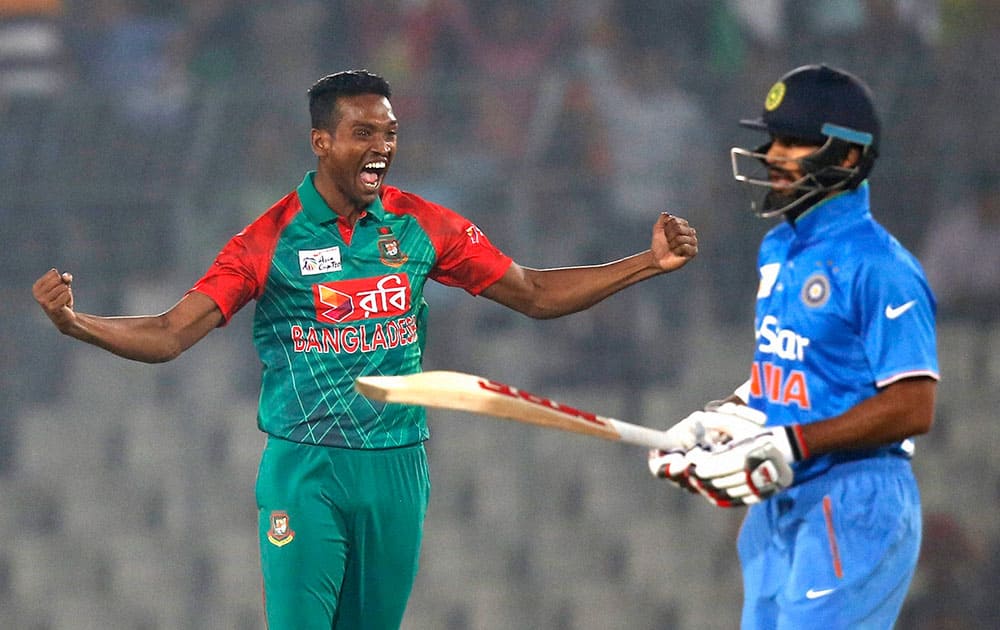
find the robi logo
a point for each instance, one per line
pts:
(332, 305)
(354, 300)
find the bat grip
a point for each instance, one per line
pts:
(643, 436)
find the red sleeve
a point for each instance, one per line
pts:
(465, 257)
(240, 270)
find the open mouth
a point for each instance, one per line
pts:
(372, 174)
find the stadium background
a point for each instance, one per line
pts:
(137, 136)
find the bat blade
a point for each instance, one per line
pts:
(476, 394)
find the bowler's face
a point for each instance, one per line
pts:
(357, 153)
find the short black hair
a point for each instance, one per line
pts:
(324, 93)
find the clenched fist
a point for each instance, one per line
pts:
(675, 242)
(54, 293)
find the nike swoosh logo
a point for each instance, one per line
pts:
(892, 312)
(814, 594)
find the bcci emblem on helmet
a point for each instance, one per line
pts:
(774, 96)
(280, 533)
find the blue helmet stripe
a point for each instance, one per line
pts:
(850, 135)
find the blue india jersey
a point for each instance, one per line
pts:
(843, 309)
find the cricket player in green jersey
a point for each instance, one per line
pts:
(337, 269)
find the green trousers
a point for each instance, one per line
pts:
(340, 532)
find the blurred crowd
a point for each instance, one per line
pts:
(566, 116)
(137, 135)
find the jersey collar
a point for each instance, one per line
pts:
(834, 215)
(318, 212)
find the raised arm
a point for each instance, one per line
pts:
(548, 293)
(150, 339)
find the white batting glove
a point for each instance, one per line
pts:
(746, 470)
(672, 464)
(723, 422)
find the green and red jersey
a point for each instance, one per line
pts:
(335, 303)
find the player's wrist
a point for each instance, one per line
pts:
(794, 446)
(73, 324)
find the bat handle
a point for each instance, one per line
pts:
(643, 436)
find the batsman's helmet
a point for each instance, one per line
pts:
(824, 106)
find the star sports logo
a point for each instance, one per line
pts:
(354, 300)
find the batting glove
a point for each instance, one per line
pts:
(747, 470)
(720, 423)
(672, 464)
(723, 422)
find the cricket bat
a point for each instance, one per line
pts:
(476, 394)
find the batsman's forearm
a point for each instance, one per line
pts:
(144, 338)
(901, 410)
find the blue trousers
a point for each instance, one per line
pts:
(837, 551)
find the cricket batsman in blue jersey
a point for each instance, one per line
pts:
(818, 441)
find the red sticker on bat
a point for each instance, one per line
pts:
(513, 392)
